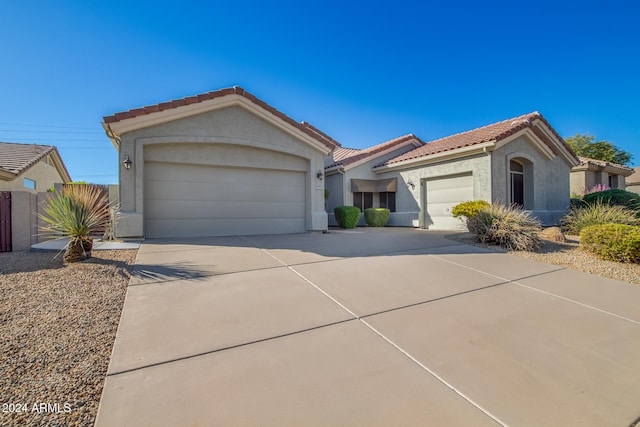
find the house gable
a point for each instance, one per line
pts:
(121, 123)
(486, 139)
(40, 163)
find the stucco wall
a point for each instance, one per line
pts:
(587, 179)
(409, 199)
(551, 182)
(43, 174)
(339, 185)
(217, 137)
(633, 187)
(25, 221)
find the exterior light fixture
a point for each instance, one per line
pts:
(411, 184)
(319, 175)
(127, 163)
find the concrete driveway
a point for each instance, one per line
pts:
(368, 327)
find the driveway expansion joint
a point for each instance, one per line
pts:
(231, 347)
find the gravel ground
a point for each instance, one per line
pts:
(58, 324)
(569, 255)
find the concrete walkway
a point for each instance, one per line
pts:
(56, 245)
(380, 327)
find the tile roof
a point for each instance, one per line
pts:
(346, 156)
(602, 163)
(16, 158)
(342, 153)
(235, 90)
(492, 132)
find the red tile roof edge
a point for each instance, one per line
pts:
(320, 133)
(524, 120)
(602, 163)
(307, 129)
(376, 149)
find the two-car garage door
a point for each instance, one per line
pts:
(188, 200)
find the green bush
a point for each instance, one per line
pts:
(347, 216)
(469, 209)
(576, 202)
(615, 197)
(597, 213)
(376, 217)
(615, 242)
(506, 226)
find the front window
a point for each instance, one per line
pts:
(388, 200)
(363, 200)
(29, 183)
(516, 174)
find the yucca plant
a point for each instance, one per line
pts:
(77, 212)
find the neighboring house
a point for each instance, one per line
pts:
(27, 171)
(30, 167)
(521, 160)
(633, 181)
(591, 173)
(219, 163)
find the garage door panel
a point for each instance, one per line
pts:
(223, 227)
(449, 195)
(182, 200)
(166, 190)
(194, 209)
(442, 194)
(175, 172)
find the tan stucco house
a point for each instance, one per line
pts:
(592, 173)
(632, 182)
(219, 163)
(30, 167)
(521, 160)
(227, 163)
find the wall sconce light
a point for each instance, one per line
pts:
(127, 163)
(411, 184)
(319, 175)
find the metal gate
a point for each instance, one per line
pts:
(5, 221)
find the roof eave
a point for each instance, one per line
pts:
(5, 175)
(467, 151)
(115, 129)
(411, 141)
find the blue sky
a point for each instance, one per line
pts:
(363, 72)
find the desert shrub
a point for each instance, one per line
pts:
(597, 213)
(347, 216)
(576, 202)
(506, 226)
(615, 197)
(376, 217)
(615, 242)
(76, 212)
(469, 209)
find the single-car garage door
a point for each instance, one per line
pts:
(187, 200)
(441, 195)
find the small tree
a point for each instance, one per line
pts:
(587, 146)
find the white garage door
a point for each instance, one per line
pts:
(185, 200)
(442, 194)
